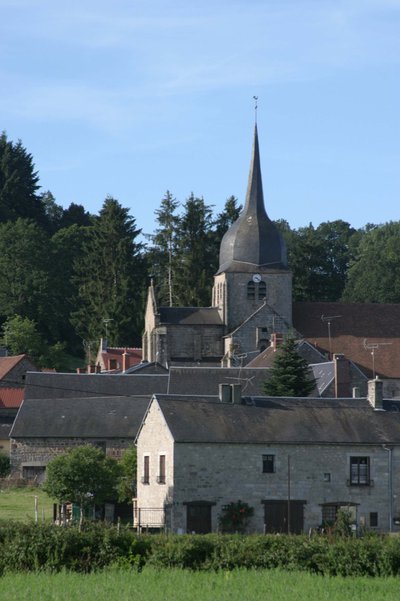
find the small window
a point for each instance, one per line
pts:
(359, 471)
(146, 470)
(327, 477)
(262, 290)
(329, 513)
(251, 291)
(373, 519)
(268, 464)
(161, 470)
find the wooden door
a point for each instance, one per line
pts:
(198, 518)
(276, 516)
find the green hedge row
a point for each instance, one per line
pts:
(31, 547)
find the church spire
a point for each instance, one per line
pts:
(253, 242)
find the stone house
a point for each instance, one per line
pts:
(46, 428)
(303, 458)
(13, 369)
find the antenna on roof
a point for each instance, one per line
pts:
(255, 98)
(328, 319)
(372, 347)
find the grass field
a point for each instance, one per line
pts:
(19, 504)
(179, 585)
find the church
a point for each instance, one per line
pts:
(251, 308)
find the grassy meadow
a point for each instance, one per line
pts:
(184, 585)
(19, 504)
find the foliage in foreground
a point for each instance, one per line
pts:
(30, 547)
(184, 585)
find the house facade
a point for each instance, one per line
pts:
(295, 461)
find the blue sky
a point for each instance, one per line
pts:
(133, 97)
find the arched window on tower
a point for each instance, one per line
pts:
(251, 290)
(262, 290)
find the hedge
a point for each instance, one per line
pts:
(32, 547)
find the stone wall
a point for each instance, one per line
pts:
(16, 376)
(318, 474)
(40, 451)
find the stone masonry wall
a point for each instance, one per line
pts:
(40, 451)
(222, 473)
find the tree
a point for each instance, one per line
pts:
(25, 287)
(290, 374)
(84, 476)
(319, 258)
(19, 183)
(21, 336)
(195, 254)
(110, 279)
(127, 485)
(162, 255)
(374, 274)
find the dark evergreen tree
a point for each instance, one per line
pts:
(195, 254)
(75, 215)
(110, 278)
(54, 211)
(19, 183)
(25, 281)
(162, 256)
(290, 374)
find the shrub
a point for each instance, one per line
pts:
(235, 517)
(4, 465)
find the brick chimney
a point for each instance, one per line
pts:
(126, 363)
(276, 340)
(342, 376)
(375, 393)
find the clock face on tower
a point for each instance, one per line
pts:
(256, 278)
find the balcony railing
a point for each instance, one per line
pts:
(149, 517)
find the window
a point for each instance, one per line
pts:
(146, 470)
(251, 291)
(329, 514)
(268, 464)
(327, 477)
(262, 290)
(161, 470)
(359, 471)
(373, 519)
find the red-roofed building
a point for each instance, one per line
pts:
(11, 397)
(13, 370)
(117, 359)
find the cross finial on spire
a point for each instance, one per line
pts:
(255, 98)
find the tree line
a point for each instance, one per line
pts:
(67, 276)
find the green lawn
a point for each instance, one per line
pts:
(19, 504)
(179, 585)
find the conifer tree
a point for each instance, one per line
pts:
(290, 374)
(162, 256)
(111, 278)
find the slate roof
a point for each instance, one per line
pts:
(253, 240)
(206, 380)
(98, 417)
(189, 316)
(283, 420)
(358, 325)
(40, 385)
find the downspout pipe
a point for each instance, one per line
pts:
(390, 485)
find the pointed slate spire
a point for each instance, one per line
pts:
(253, 242)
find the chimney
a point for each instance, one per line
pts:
(225, 393)
(276, 340)
(125, 360)
(230, 393)
(375, 393)
(91, 369)
(236, 394)
(342, 376)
